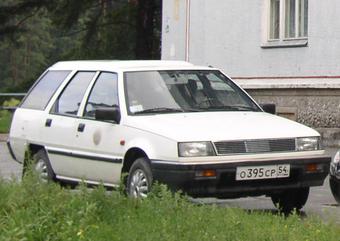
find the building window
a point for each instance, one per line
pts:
(274, 19)
(288, 19)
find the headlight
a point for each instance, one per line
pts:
(308, 143)
(194, 149)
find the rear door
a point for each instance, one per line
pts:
(60, 128)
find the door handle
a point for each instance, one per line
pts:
(48, 122)
(81, 127)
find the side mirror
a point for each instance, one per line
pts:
(269, 108)
(108, 114)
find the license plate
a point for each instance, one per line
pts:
(262, 172)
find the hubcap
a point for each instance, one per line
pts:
(139, 186)
(41, 170)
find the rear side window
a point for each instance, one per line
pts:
(69, 101)
(44, 89)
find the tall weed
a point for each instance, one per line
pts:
(35, 211)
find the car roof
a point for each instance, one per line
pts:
(128, 65)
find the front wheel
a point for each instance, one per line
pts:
(140, 179)
(335, 188)
(291, 199)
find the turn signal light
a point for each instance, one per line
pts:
(206, 173)
(313, 167)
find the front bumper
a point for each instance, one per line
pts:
(224, 185)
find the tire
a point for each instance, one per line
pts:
(41, 167)
(335, 188)
(291, 199)
(140, 179)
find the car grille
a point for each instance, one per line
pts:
(254, 146)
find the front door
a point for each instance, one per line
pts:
(99, 142)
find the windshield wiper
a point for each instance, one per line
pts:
(242, 107)
(230, 108)
(159, 110)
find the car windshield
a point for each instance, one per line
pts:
(173, 91)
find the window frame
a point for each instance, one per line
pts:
(82, 108)
(37, 82)
(236, 87)
(283, 40)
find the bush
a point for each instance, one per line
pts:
(11, 103)
(5, 121)
(37, 211)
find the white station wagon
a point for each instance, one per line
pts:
(189, 127)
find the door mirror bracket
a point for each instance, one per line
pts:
(108, 114)
(269, 108)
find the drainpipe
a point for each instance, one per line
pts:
(187, 30)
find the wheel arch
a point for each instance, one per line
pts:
(30, 151)
(34, 148)
(131, 156)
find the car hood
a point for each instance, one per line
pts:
(219, 126)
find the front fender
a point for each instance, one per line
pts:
(157, 148)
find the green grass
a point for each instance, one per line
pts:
(34, 211)
(5, 121)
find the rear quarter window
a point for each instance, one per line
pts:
(42, 91)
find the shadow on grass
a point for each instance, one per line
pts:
(272, 211)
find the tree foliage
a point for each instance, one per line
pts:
(36, 33)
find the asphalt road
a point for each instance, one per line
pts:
(8, 167)
(320, 202)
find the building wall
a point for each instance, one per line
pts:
(229, 34)
(173, 30)
(304, 82)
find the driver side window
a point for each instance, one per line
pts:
(103, 95)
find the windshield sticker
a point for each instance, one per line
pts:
(135, 108)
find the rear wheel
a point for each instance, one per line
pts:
(291, 199)
(41, 167)
(140, 179)
(335, 188)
